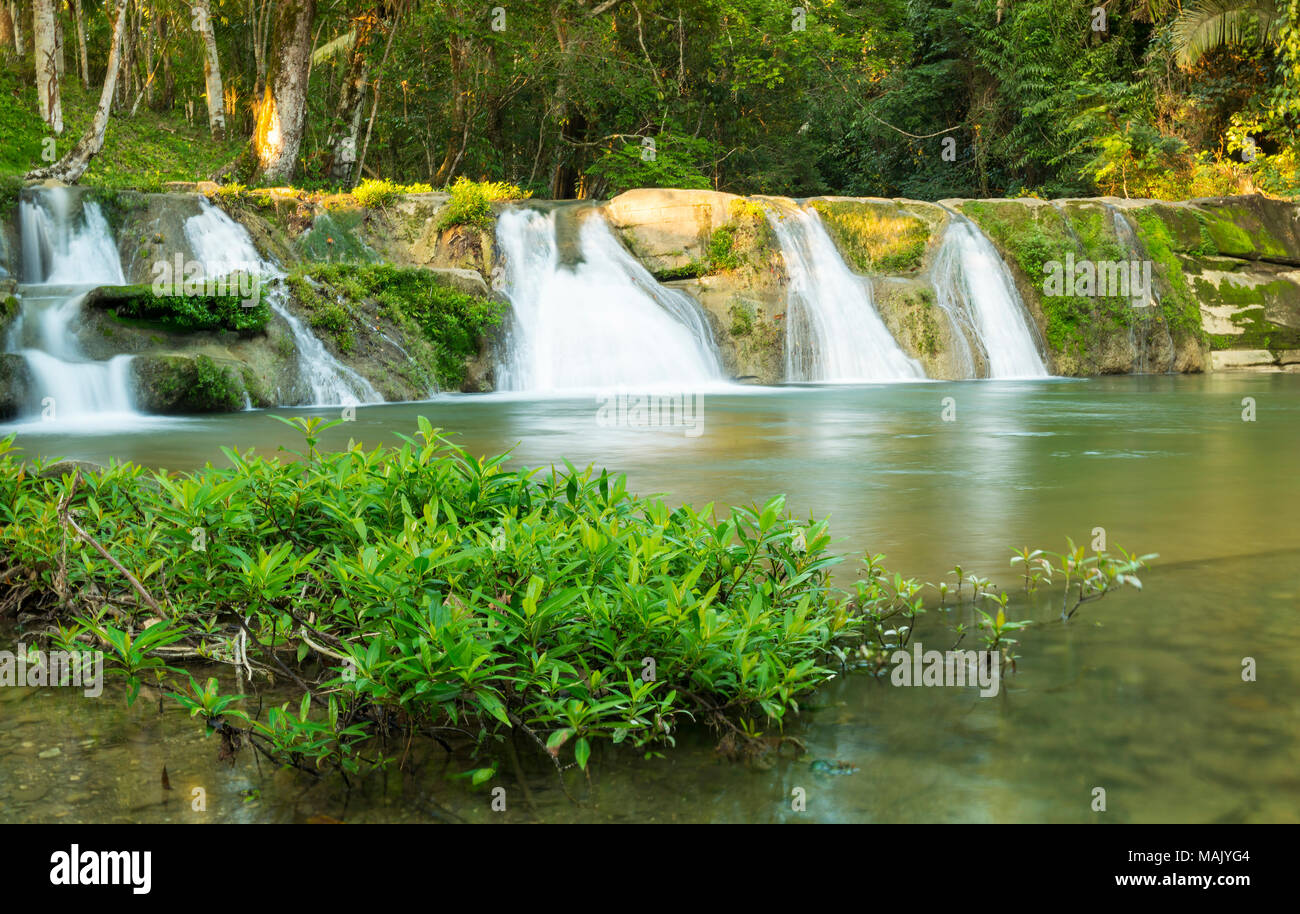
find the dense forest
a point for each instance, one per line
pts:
(918, 98)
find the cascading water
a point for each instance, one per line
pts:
(223, 246)
(65, 255)
(602, 321)
(833, 332)
(975, 289)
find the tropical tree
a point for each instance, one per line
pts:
(1212, 24)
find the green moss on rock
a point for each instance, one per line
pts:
(186, 384)
(876, 237)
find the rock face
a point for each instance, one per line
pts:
(1224, 292)
(1226, 276)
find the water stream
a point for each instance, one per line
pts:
(833, 332)
(1141, 694)
(223, 246)
(67, 250)
(975, 289)
(593, 317)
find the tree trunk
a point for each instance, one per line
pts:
(47, 75)
(211, 71)
(352, 96)
(458, 50)
(59, 62)
(83, 63)
(16, 17)
(280, 116)
(73, 165)
(6, 27)
(374, 107)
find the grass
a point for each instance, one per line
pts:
(140, 153)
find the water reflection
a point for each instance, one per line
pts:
(1141, 695)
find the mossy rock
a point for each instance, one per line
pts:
(878, 236)
(334, 237)
(923, 330)
(178, 384)
(15, 385)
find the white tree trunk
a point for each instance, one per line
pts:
(73, 165)
(16, 18)
(211, 70)
(83, 65)
(47, 71)
(6, 28)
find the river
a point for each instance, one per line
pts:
(1140, 695)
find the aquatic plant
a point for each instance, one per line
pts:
(416, 590)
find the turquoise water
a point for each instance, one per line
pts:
(1140, 695)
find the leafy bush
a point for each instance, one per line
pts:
(471, 202)
(417, 589)
(184, 312)
(371, 192)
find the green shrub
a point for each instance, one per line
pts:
(372, 192)
(183, 312)
(471, 202)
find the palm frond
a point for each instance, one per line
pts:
(334, 47)
(1212, 24)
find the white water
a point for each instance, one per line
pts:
(976, 289)
(62, 259)
(833, 332)
(603, 322)
(223, 246)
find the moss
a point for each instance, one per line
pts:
(742, 319)
(179, 384)
(876, 238)
(1238, 231)
(921, 324)
(1180, 308)
(1257, 332)
(140, 306)
(8, 309)
(333, 238)
(338, 297)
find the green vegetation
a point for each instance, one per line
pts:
(875, 237)
(471, 202)
(181, 384)
(450, 320)
(141, 152)
(141, 305)
(741, 243)
(372, 192)
(419, 590)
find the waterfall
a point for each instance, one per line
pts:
(58, 249)
(833, 332)
(601, 321)
(66, 251)
(223, 246)
(974, 287)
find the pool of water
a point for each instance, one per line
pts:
(1140, 695)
